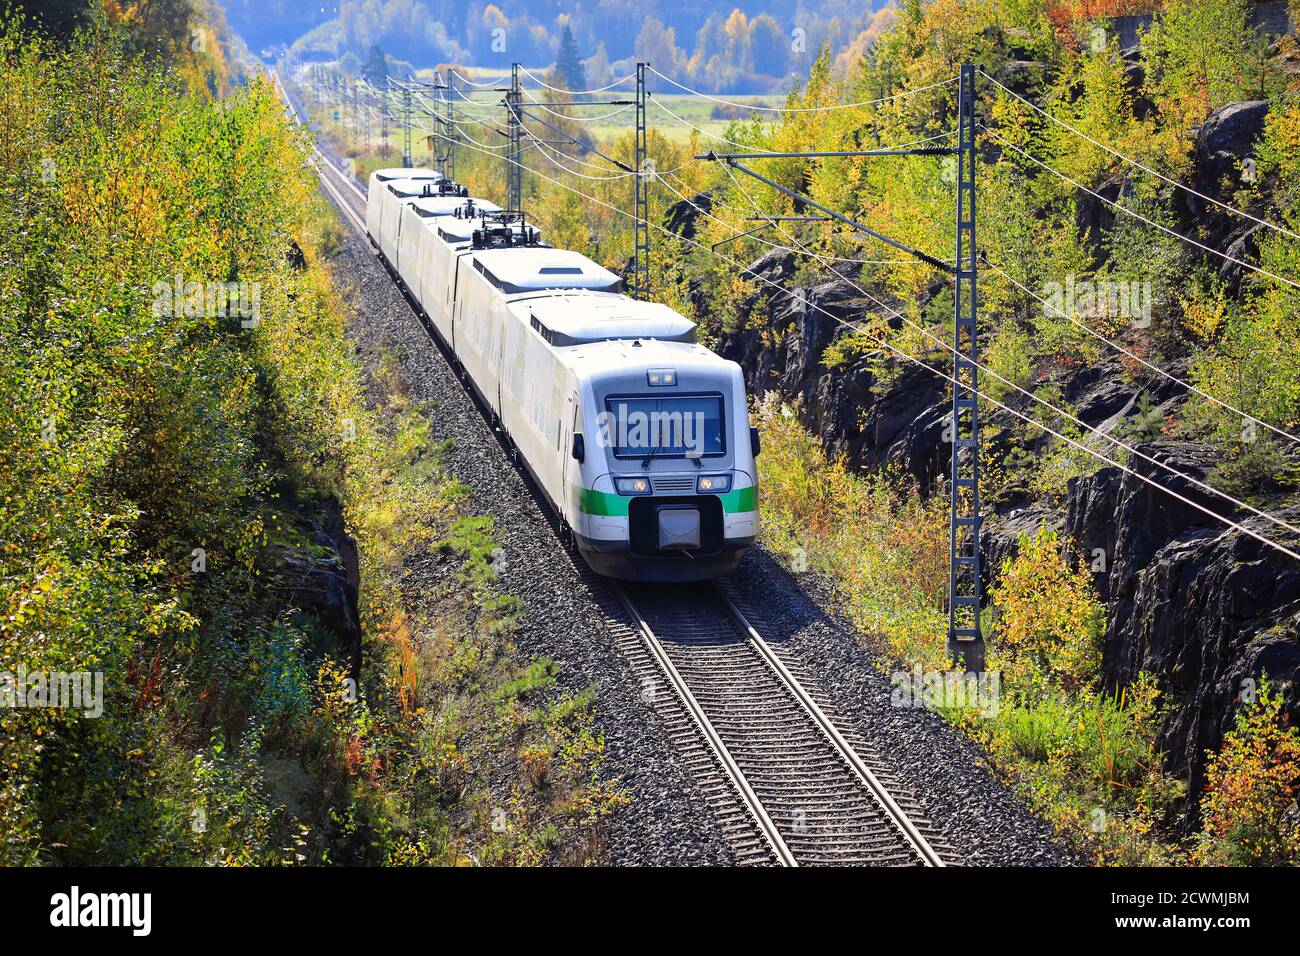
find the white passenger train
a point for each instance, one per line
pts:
(638, 437)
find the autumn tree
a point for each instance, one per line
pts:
(1198, 53)
(1049, 619)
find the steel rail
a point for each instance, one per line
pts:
(711, 736)
(887, 803)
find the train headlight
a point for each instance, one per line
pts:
(713, 484)
(632, 486)
(661, 376)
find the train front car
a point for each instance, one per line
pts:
(669, 485)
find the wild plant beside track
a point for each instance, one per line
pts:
(166, 469)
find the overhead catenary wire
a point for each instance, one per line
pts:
(600, 117)
(1137, 358)
(750, 146)
(1129, 212)
(1290, 552)
(1141, 166)
(491, 83)
(715, 203)
(555, 89)
(803, 109)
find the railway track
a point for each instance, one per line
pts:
(811, 797)
(347, 195)
(787, 786)
(341, 186)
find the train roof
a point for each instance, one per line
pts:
(408, 188)
(430, 206)
(455, 230)
(408, 172)
(612, 360)
(537, 268)
(573, 318)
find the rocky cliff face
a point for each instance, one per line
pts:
(1204, 608)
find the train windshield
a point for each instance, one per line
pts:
(680, 426)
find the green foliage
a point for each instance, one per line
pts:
(1143, 425)
(1254, 468)
(1252, 783)
(1049, 619)
(1198, 53)
(1007, 354)
(1089, 763)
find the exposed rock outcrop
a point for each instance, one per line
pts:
(1225, 145)
(681, 217)
(1203, 608)
(323, 580)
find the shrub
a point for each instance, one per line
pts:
(1250, 813)
(1048, 618)
(883, 545)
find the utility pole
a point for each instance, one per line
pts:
(965, 639)
(406, 128)
(640, 285)
(452, 129)
(439, 155)
(388, 93)
(514, 125)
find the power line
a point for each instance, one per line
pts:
(715, 203)
(1042, 401)
(1129, 212)
(803, 109)
(1144, 168)
(732, 142)
(1137, 358)
(540, 82)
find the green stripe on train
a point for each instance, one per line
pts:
(615, 506)
(602, 503)
(742, 499)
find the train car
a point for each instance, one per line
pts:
(637, 436)
(437, 231)
(388, 191)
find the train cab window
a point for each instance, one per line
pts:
(679, 426)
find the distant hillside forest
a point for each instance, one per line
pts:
(714, 46)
